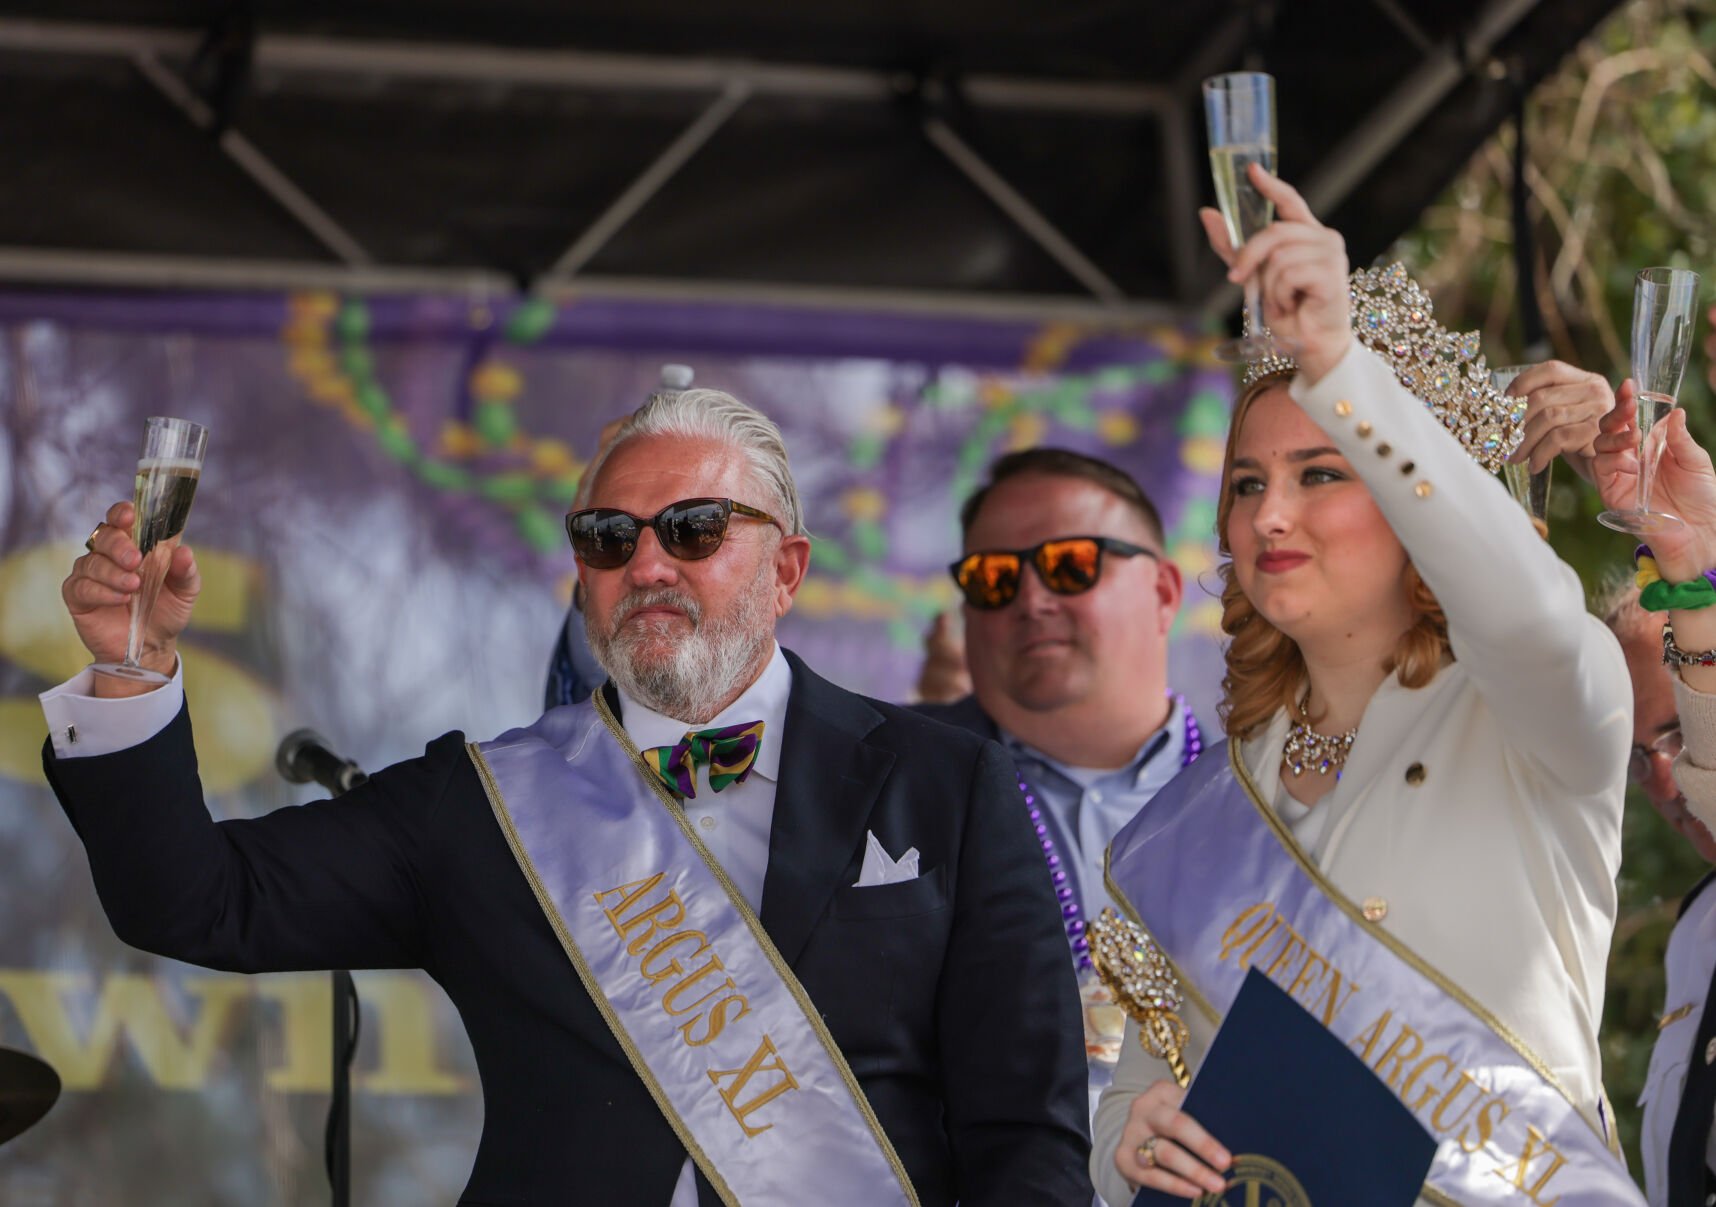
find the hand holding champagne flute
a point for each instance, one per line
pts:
(1298, 267)
(1239, 109)
(1665, 303)
(1684, 485)
(1561, 406)
(130, 595)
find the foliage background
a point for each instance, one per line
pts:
(1621, 166)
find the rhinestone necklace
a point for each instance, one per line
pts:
(1072, 913)
(1321, 752)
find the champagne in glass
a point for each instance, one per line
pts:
(1665, 306)
(167, 475)
(1246, 211)
(1239, 109)
(1530, 490)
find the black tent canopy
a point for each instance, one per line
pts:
(1033, 152)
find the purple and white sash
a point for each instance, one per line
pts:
(714, 1022)
(1211, 874)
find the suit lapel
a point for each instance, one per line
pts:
(1689, 1137)
(829, 781)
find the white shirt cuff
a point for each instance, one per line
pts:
(81, 725)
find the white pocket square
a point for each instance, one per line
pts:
(880, 869)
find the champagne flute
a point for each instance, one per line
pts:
(1530, 490)
(1239, 109)
(167, 475)
(1665, 302)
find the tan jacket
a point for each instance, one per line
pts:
(1695, 768)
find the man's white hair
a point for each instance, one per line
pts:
(1617, 603)
(717, 417)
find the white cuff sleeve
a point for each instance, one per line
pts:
(81, 724)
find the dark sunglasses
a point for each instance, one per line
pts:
(690, 530)
(1069, 565)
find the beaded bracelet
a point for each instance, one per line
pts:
(1655, 595)
(1673, 655)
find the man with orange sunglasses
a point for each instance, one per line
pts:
(1069, 598)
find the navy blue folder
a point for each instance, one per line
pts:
(1277, 1085)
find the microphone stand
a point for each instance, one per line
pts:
(337, 1135)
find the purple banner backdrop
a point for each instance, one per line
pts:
(379, 531)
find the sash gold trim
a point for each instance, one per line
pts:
(1388, 940)
(1426, 1192)
(1674, 1016)
(591, 985)
(811, 1015)
(812, 1018)
(1192, 991)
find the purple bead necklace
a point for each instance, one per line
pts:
(1071, 912)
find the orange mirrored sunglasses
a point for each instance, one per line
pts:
(1068, 565)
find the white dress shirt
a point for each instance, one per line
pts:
(1479, 814)
(81, 724)
(733, 823)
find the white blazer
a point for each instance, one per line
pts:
(1481, 813)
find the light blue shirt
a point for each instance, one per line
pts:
(1084, 808)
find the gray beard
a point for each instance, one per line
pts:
(703, 671)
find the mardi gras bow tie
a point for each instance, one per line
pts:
(729, 752)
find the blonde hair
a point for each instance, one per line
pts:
(1617, 602)
(1265, 670)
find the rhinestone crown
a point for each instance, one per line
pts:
(1392, 316)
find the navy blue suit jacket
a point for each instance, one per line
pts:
(950, 995)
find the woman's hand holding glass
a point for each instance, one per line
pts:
(1301, 266)
(98, 595)
(1563, 416)
(1685, 486)
(1184, 1158)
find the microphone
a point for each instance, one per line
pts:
(305, 755)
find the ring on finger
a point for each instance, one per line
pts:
(1147, 1152)
(89, 542)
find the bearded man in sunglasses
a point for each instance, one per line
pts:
(723, 933)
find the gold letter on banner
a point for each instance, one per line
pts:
(1536, 1145)
(131, 1005)
(742, 1076)
(306, 1003)
(408, 1060)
